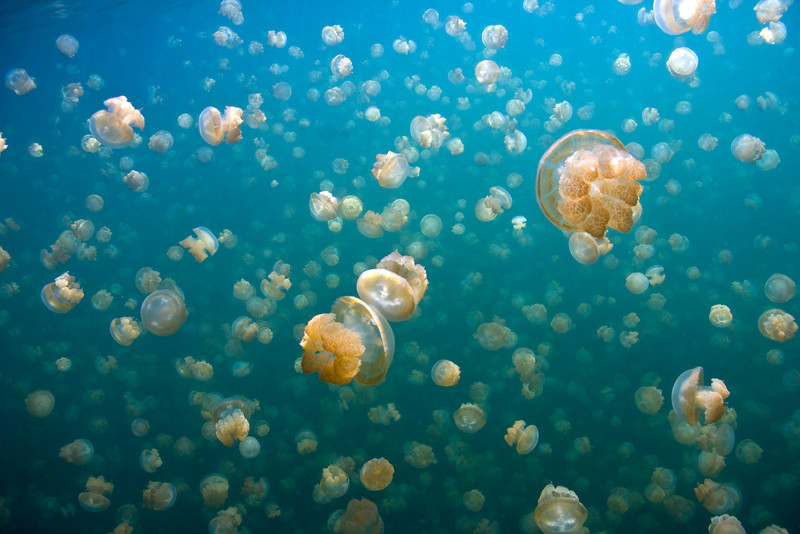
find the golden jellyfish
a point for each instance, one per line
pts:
(215, 127)
(445, 373)
(159, 496)
(306, 441)
(720, 315)
(747, 148)
(473, 500)
(587, 181)
(469, 418)
(63, 294)
(586, 249)
(113, 128)
(777, 325)
(79, 452)
(779, 288)
(324, 206)
(648, 399)
(95, 499)
(728, 524)
(40, 403)
(689, 396)
(124, 330)
(394, 287)
(392, 169)
(559, 511)
(163, 312)
(275, 284)
(243, 290)
(361, 517)
(204, 245)
(487, 208)
(150, 460)
(214, 488)
(353, 342)
(526, 437)
(226, 521)
(147, 280)
(333, 484)
(231, 420)
(717, 498)
(102, 300)
(679, 16)
(418, 455)
(376, 474)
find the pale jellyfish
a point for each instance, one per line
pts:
(67, 45)
(747, 148)
(682, 64)
(113, 128)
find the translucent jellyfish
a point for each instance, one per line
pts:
(690, 396)
(445, 373)
(431, 225)
(124, 330)
(306, 441)
(720, 315)
(18, 81)
(95, 499)
(136, 181)
(526, 437)
(392, 169)
(487, 72)
(747, 148)
(159, 496)
(769, 160)
(332, 35)
(727, 524)
(231, 420)
(518, 222)
(79, 452)
(150, 460)
(678, 16)
(361, 517)
(494, 37)
(206, 243)
(779, 288)
(586, 249)
(586, 181)
(469, 418)
(777, 325)
(353, 342)
(637, 283)
(376, 474)
(40, 403)
(489, 207)
(333, 484)
(163, 312)
(771, 10)
(707, 142)
(621, 65)
(559, 511)
(160, 142)
(682, 64)
(648, 399)
(275, 285)
(394, 287)
(113, 128)
(249, 447)
(717, 498)
(67, 45)
(277, 39)
(748, 451)
(62, 295)
(324, 206)
(215, 127)
(214, 488)
(341, 66)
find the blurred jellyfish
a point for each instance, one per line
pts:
(40, 403)
(79, 452)
(771, 10)
(707, 142)
(160, 142)
(159, 496)
(779, 288)
(67, 45)
(747, 148)
(341, 66)
(136, 181)
(249, 447)
(690, 396)
(621, 65)
(768, 161)
(430, 131)
(376, 474)
(113, 127)
(332, 35)
(214, 489)
(678, 16)
(469, 418)
(487, 72)
(648, 399)
(637, 283)
(18, 81)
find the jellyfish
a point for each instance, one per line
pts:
(394, 287)
(113, 128)
(361, 517)
(771, 10)
(637, 283)
(747, 148)
(215, 127)
(205, 244)
(333, 484)
(249, 447)
(690, 396)
(586, 249)
(150, 460)
(159, 496)
(275, 284)
(341, 66)
(430, 131)
(63, 294)
(559, 511)
(494, 36)
(376, 474)
(488, 208)
(648, 399)
(163, 312)
(586, 181)
(353, 342)
(682, 64)
(445, 373)
(18, 81)
(332, 35)
(526, 437)
(748, 451)
(306, 441)
(392, 169)
(79, 452)
(124, 330)
(214, 488)
(324, 206)
(231, 420)
(727, 524)
(95, 499)
(40, 403)
(160, 142)
(469, 418)
(678, 16)
(777, 325)
(487, 72)
(720, 315)
(717, 498)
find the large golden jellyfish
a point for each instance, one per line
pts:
(394, 287)
(353, 342)
(588, 182)
(679, 16)
(559, 511)
(113, 128)
(689, 396)
(63, 294)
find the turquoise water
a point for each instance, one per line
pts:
(740, 223)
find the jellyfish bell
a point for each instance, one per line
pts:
(587, 181)
(587, 249)
(163, 312)
(690, 396)
(159, 496)
(67, 45)
(231, 420)
(747, 148)
(679, 16)
(777, 325)
(204, 245)
(40, 403)
(392, 169)
(114, 128)
(62, 295)
(469, 418)
(394, 287)
(559, 511)
(682, 63)
(215, 127)
(18, 81)
(779, 288)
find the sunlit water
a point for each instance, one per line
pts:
(741, 224)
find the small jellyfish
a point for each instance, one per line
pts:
(777, 325)
(489, 207)
(95, 499)
(62, 295)
(747, 148)
(679, 16)
(586, 249)
(67, 45)
(637, 283)
(159, 496)
(113, 128)
(648, 399)
(526, 437)
(282, 91)
(559, 511)
(376, 474)
(334, 482)
(341, 66)
(469, 418)
(392, 169)
(445, 373)
(215, 127)
(249, 447)
(79, 452)
(394, 287)
(682, 64)
(205, 244)
(124, 330)
(720, 315)
(323, 206)
(494, 36)
(690, 396)
(332, 35)
(163, 312)
(231, 420)
(487, 72)
(150, 460)
(214, 488)
(18, 81)
(160, 142)
(779, 288)
(40, 403)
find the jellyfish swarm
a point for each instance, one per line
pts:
(689, 396)
(214, 127)
(588, 182)
(353, 342)
(679, 16)
(113, 127)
